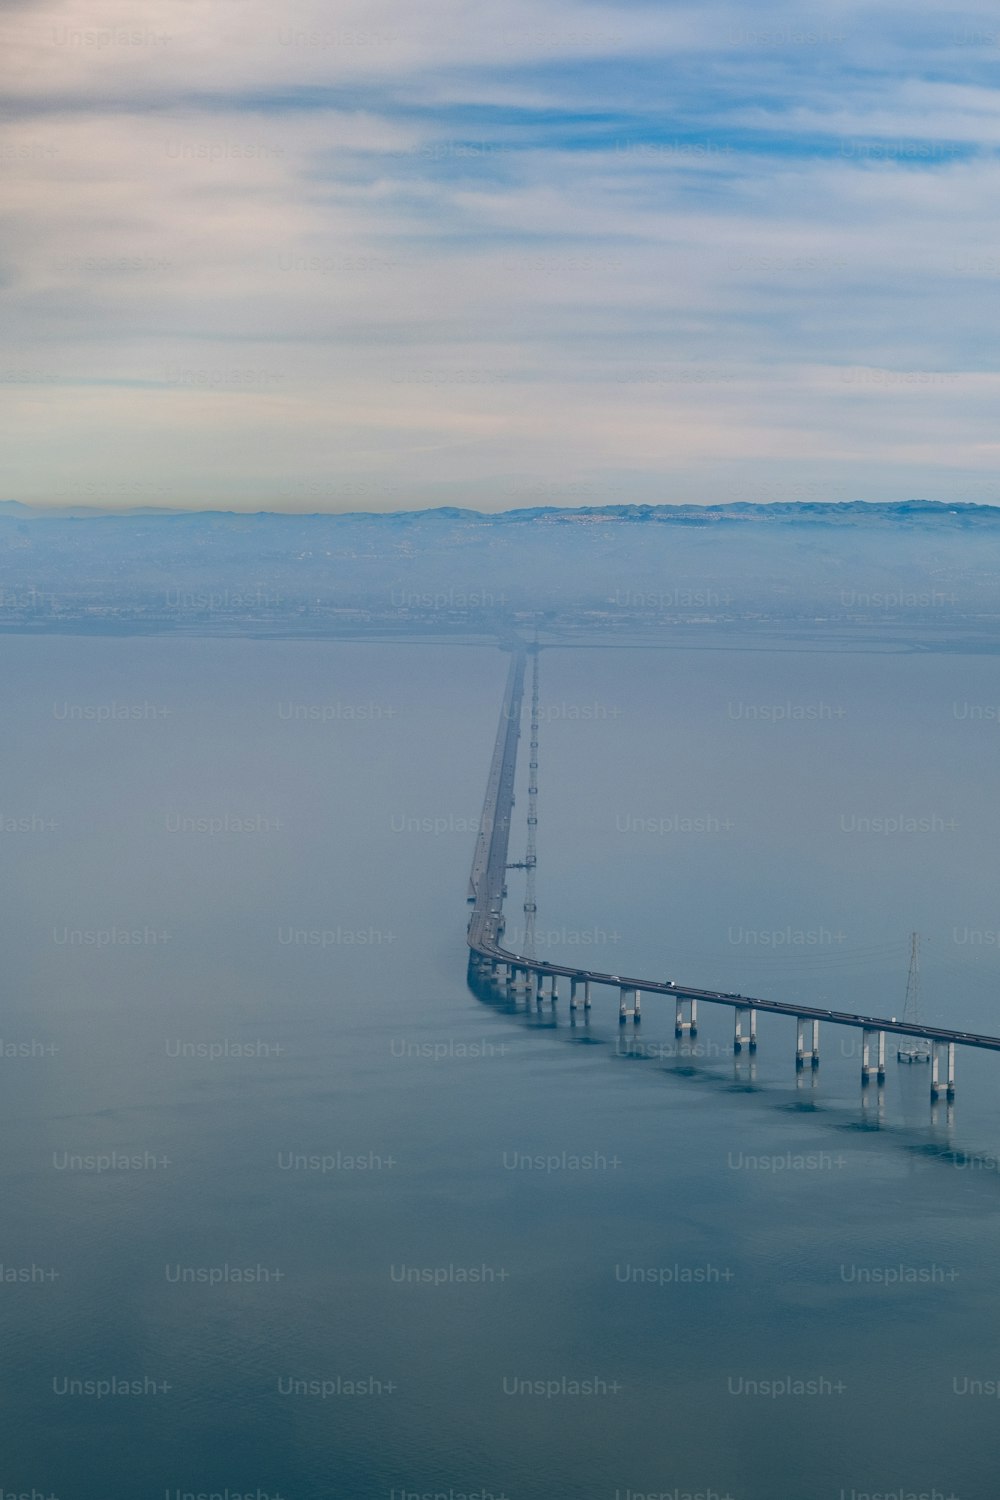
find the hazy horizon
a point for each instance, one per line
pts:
(58, 509)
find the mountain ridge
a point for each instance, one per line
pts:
(841, 511)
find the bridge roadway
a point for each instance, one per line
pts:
(486, 925)
(490, 858)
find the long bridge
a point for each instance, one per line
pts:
(517, 973)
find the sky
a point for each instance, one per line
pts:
(386, 256)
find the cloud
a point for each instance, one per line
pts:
(421, 254)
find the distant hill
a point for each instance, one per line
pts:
(846, 512)
(614, 568)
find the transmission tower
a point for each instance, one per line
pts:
(911, 1005)
(531, 856)
(913, 1051)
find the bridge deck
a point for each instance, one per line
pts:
(503, 752)
(486, 886)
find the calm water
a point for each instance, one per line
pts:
(441, 1201)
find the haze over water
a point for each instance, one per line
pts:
(491, 1252)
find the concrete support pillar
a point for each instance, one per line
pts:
(745, 1028)
(572, 994)
(554, 988)
(807, 1042)
(942, 1069)
(872, 1054)
(628, 1005)
(686, 1019)
(586, 994)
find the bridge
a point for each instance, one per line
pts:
(517, 973)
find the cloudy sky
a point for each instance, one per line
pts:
(385, 255)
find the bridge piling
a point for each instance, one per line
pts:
(574, 991)
(868, 1036)
(688, 1022)
(806, 1049)
(942, 1051)
(625, 994)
